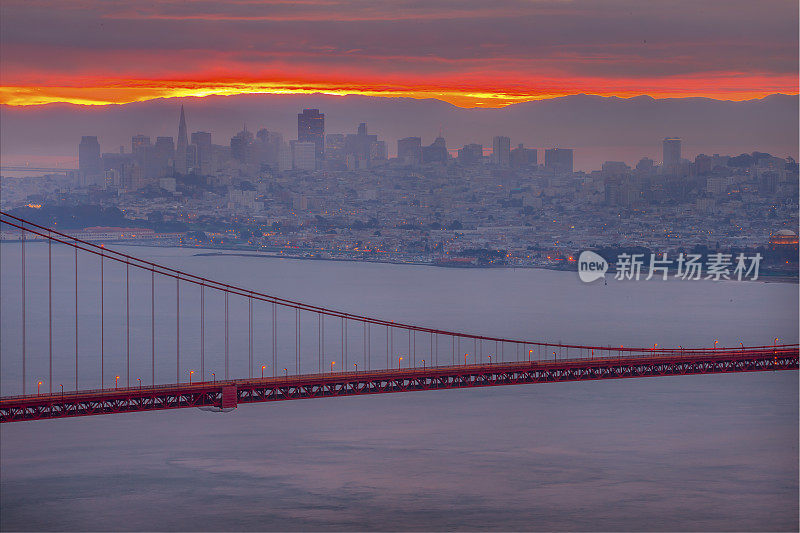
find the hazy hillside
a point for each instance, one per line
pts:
(599, 128)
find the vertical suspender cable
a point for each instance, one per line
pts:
(50, 309)
(344, 363)
(226, 334)
(297, 340)
(127, 325)
(102, 322)
(76, 318)
(202, 332)
(178, 330)
(153, 326)
(250, 336)
(22, 242)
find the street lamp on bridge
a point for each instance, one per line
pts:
(332, 363)
(190, 377)
(38, 384)
(116, 382)
(398, 363)
(262, 370)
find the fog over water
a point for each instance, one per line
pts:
(677, 453)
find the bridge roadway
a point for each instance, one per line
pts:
(228, 394)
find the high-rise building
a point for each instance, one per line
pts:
(284, 157)
(89, 163)
(672, 154)
(203, 151)
(361, 149)
(436, 152)
(201, 139)
(241, 146)
(470, 154)
(267, 147)
(334, 150)
(645, 166)
(304, 155)
(139, 143)
(501, 151)
(164, 152)
(558, 160)
(181, 152)
(702, 165)
(615, 168)
(409, 151)
(521, 157)
(311, 128)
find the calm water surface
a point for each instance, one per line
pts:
(677, 453)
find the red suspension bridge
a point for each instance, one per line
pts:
(118, 318)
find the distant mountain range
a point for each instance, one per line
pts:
(598, 128)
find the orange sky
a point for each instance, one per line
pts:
(100, 93)
(469, 53)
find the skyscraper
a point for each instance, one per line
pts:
(409, 151)
(522, 157)
(311, 128)
(139, 143)
(181, 152)
(470, 154)
(558, 160)
(436, 152)
(242, 146)
(164, 151)
(89, 162)
(362, 149)
(501, 151)
(672, 154)
(334, 150)
(303, 155)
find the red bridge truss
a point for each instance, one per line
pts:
(515, 361)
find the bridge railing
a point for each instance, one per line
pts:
(779, 351)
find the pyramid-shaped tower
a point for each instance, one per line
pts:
(183, 145)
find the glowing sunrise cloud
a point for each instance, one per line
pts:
(469, 53)
(727, 87)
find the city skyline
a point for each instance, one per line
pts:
(473, 55)
(316, 149)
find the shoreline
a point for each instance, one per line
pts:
(763, 277)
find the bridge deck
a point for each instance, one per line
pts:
(227, 394)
